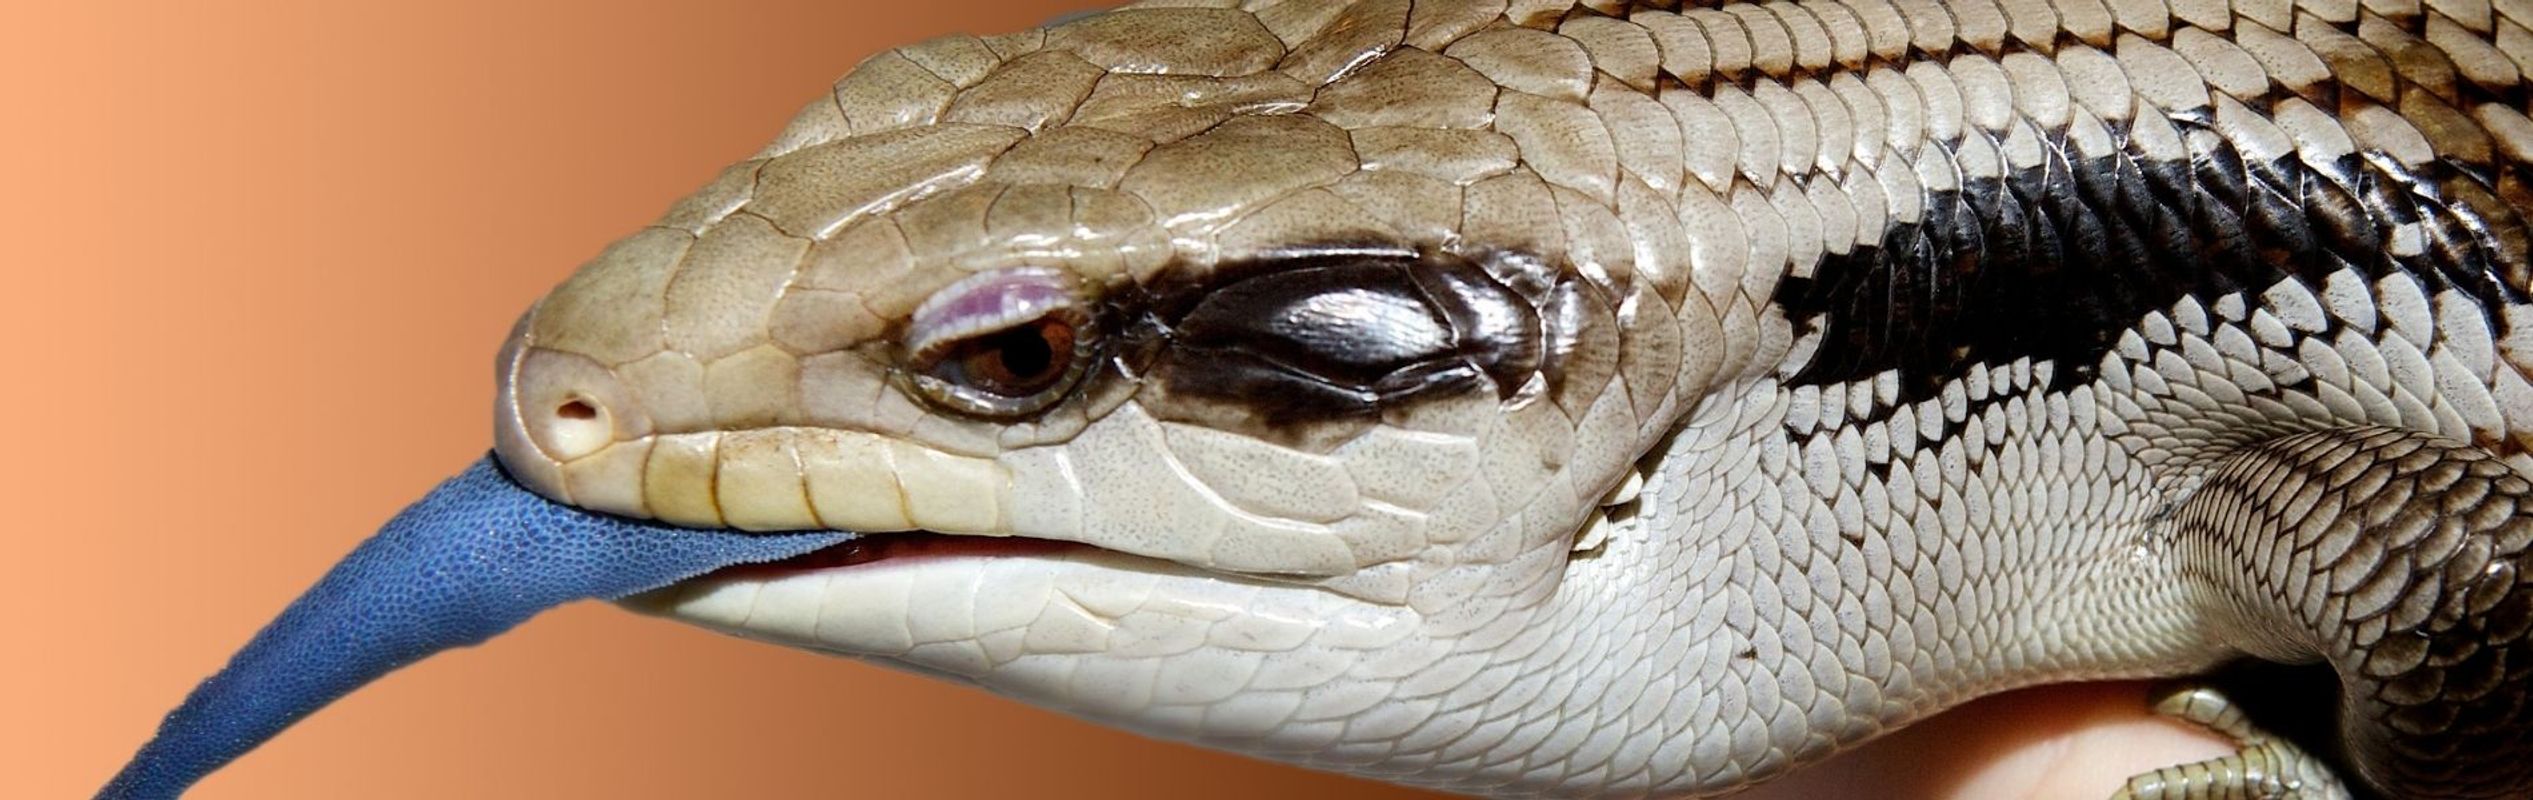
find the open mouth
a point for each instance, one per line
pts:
(897, 546)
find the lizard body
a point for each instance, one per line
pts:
(1612, 399)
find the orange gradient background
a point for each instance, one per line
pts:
(258, 258)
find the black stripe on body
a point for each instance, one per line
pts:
(2054, 262)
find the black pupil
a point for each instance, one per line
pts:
(1024, 353)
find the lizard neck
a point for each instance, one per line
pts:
(1794, 579)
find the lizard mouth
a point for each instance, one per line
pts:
(898, 546)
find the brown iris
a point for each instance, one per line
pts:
(1000, 344)
(1006, 372)
(1019, 361)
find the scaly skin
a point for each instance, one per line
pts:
(1609, 400)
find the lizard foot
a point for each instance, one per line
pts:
(2266, 768)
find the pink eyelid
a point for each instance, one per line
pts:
(988, 302)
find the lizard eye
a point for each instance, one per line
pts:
(1014, 362)
(1000, 344)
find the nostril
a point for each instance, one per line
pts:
(579, 427)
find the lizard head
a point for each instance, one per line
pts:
(1243, 377)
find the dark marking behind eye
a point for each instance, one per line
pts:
(1351, 324)
(1338, 338)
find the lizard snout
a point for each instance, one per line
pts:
(567, 405)
(553, 408)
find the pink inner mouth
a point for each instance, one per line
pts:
(899, 545)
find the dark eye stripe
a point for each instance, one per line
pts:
(1345, 335)
(1348, 323)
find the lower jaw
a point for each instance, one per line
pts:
(868, 598)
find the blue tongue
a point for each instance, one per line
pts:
(473, 558)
